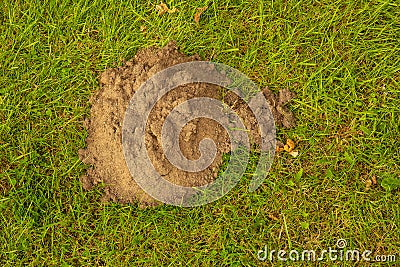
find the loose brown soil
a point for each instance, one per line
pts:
(117, 86)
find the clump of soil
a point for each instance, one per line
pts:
(277, 102)
(104, 144)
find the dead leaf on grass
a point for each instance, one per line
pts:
(200, 11)
(163, 8)
(273, 217)
(279, 149)
(279, 146)
(373, 179)
(368, 184)
(288, 147)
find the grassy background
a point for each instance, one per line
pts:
(340, 57)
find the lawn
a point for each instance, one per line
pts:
(341, 58)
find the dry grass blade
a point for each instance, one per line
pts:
(200, 11)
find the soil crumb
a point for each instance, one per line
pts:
(277, 102)
(104, 151)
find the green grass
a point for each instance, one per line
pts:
(342, 60)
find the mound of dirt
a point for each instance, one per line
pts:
(104, 143)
